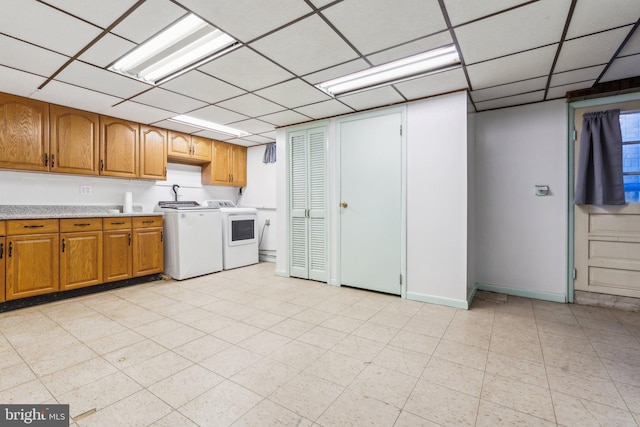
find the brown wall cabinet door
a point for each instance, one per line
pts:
(32, 265)
(24, 133)
(179, 145)
(228, 165)
(153, 153)
(148, 252)
(74, 141)
(80, 259)
(118, 147)
(117, 256)
(238, 165)
(201, 149)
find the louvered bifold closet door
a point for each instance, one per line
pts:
(298, 210)
(308, 229)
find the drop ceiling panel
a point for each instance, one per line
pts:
(306, 46)
(179, 127)
(107, 50)
(217, 115)
(633, 45)
(337, 71)
(461, 11)
(590, 50)
(213, 135)
(137, 112)
(202, 86)
(372, 98)
(243, 142)
(251, 105)
(245, 20)
(321, 3)
(76, 97)
(324, 109)
(45, 26)
(284, 118)
(623, 68)
(527, 27)
(373, 25)
(27, 57)
(101, 13)
(293, 93)
(434, 84)
(413, 48)
(246, 69)
(253, 126)
(526, 98)
(90, 77)
(591, 16)
(170, 101)
(561, 91)
(18, 82)
(575, 76)
(148, 19)
(508, 69)
(258, 139)
(509, 89)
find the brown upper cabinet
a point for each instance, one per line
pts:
(74, 146)
(228, 165)
(24, 133)
(118, 147)
(153, 153)
(191, 149)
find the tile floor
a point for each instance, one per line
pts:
(247, 348)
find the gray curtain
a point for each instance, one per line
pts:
(269, 153)
(599, 180)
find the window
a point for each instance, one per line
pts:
(630, 125)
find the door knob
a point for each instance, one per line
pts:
(343, 205)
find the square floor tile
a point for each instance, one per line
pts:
(527, 398)
(442, 405)
(141, 408)
(337, 368)
(355, 409)
(385, 385)
(183, 386)
(307, 395)
(454, 376)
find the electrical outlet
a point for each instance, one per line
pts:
(267, 221)
(85, 190)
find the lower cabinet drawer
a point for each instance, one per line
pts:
(31, 226)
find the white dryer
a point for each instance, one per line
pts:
(239, 233)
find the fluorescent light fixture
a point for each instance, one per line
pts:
(207, 125)
(185, 45)
(393, 72)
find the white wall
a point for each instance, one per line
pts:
(437, 199)
(471, 204)
(521, 238)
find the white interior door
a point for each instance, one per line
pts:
(371, 198)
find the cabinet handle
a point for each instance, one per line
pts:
(129, 239)
(1, 250)
(33, 226)
(231, 177)
(10, 249)
(150, 221)
(101, 165)
(53, 160)
(161, 236)
(63, 245)
(82, 224)
(117, 223)
(46, 159)
(165, 171)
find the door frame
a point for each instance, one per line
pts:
(572, 107)
(335, 210)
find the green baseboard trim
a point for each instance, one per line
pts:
(472, 294)
(267, 258)
(450, 302)
(546, 296)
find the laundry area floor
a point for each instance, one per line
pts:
(245, 347)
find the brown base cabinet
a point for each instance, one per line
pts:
(2, 259)
(32, 265)
(80, 253)
(118, 253)
(148, 249)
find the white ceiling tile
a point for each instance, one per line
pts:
(217, 115)
(18, 82)
(271, 135)
(137, 112)
(251, 105)
(591, 16)
(575, 76)
(435, 84)
(179, 127)
(90, 77)
(372, 98)
(202, 86)
(246, 69)
(461, 11)
(101, 13)
(325, 109)
(633, 45)
(245, 20)
(293, 93)
(591, 50)
(241, 141)
(525, 98)
(306, 46)
(321, 3)
(413, 48)
(45, 26)
(509, 89)
(337, 71)
(213, 135)
(253, 126)
(284, 118)
(147, 20)
(107, 50)
(623, 68)
(30, 58)
(561, 91)
(169, 101)
(513, 68)
(373, 25)
(527, 27)
(75, 97)
(256, 139)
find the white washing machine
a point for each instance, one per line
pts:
(239, 233)
(192, 239)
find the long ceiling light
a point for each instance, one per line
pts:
(207, 125)
(185, 45)
(393, 72)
